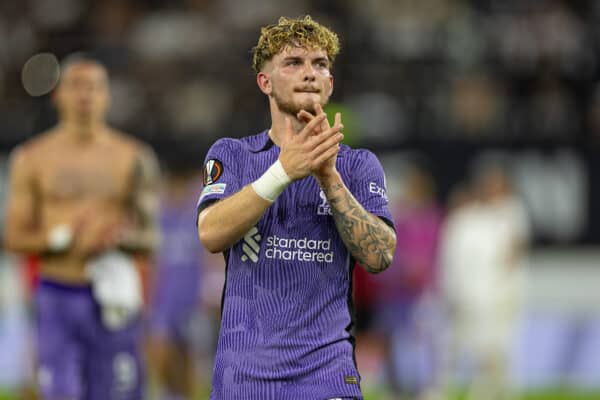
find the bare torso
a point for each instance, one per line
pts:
(84, 184)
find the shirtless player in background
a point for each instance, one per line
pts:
(76, 192)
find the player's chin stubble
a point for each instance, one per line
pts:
(288, 106)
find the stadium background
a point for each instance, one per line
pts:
(448, 82)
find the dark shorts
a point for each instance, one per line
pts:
(78, 357)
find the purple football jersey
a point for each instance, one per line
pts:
(78, 357)
(286, 317)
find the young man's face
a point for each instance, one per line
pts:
(83, 92)
(299, 78)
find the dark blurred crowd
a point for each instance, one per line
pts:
(493, 71)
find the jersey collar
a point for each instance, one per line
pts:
(260, 142)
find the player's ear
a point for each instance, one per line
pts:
(330, 85)
(264, 83)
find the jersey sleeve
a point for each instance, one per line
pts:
(221, 172)
(369, 186)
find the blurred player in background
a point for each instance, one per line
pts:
(483, 248)
(175, 302)
(82, 196)
(292, 209)
(404, 298)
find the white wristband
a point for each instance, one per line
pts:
(60, 238)
(272, 182)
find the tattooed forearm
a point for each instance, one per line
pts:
(370, 241)
(142, 235)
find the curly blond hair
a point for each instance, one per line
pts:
(301, 32)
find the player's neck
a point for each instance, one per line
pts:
(82, 132)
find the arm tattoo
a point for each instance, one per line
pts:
(370, 241)
(144, 200)
(143, 204)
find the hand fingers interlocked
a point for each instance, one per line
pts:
(303, 153)
(306, 117)
(328, 165)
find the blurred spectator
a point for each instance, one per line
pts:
(483, 248)
(175, 35)
(381, 117)
(552, 110)
(467, 39)
(406, 29)
(244, 15)
(198, 105)
(476, 107)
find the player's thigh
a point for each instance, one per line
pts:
(114, 367)
(59, 356)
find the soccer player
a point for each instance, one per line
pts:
(483, 254)
(292, 209)
(82, 197)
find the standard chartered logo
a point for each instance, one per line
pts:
(251, 246)
(303, 249)
(289, 249)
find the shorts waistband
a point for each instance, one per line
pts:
(65, 287)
